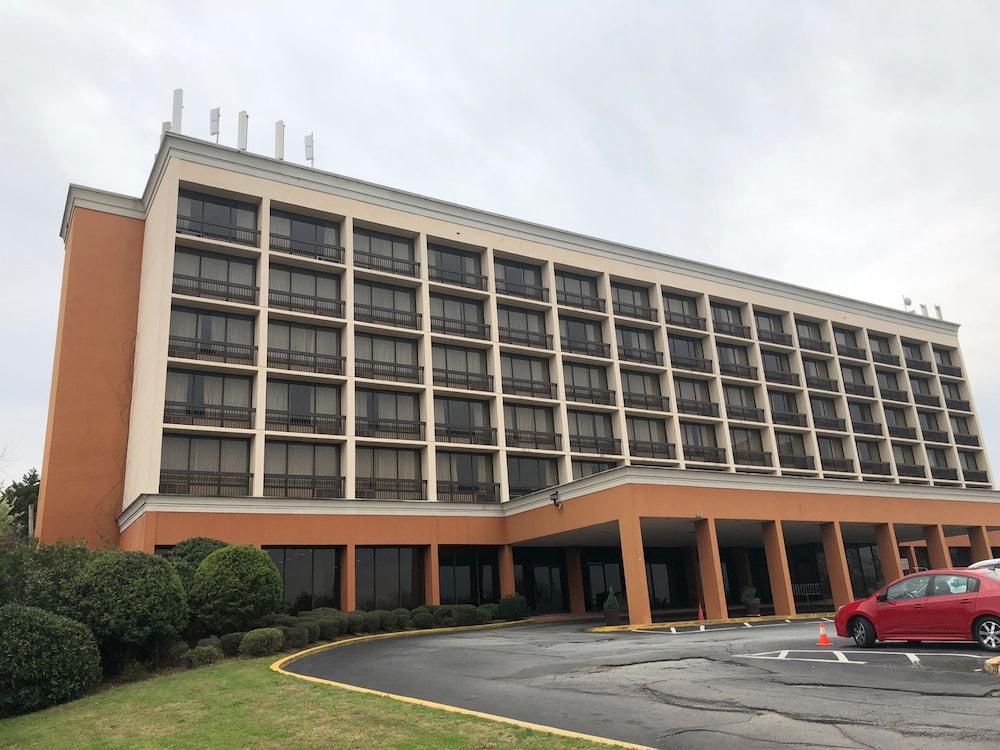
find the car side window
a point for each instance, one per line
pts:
(945, 585)
(909, 588)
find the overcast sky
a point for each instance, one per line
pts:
(849, 147)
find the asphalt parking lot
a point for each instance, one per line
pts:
(755, 687)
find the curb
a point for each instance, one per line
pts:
(992, 666)
(279, 667)
(698, 623)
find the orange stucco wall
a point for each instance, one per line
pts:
(84, 460)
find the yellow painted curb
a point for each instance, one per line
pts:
(280, 664)
(696, 623)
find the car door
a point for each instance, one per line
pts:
(951, 605)
(902, 611)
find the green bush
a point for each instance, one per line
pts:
(51, 575)
(135, 671)
(373, 621)
(298, 637)
(445, 617)
(262, 642)
(466, 614)
(229, 644)
(331, 628)
(422, 620)
(321, 612)
(134, 605)
(356, 623)
(202, 655)
(210, 641)
(276, 619)
(175, 654)
(45, 659)
(186, 556)
(489, 612)
(286, 635)
(312, 629)
(234, 587)
(513, 607)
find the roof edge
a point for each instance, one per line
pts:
(81, 196)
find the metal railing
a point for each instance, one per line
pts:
(775, 337)
(752, 458)
(212, 351)
(583, 301)
(198, 228)
(705, 454)
(370, 488)
(369, 368)
(470, 330)
(525, 387)
(401, 266)
(582, 346)
(315, 250)
(391, 429)
(652, 449)
(698, 364)
(331, 308)
(208, 415)
(949, 370)
(198, 286)
(544, 441)
(525, 338)
(894, 394)
(694, 406)
(829, 423)
(821, 384)
(468, 492)
(876, 467)
(935, 436)
(910, 470)
(793, 418)
(854, 352)
(450, 433)
(643, 356)
(961, 439)
(736, 370)
(902, 431)
(975, 476)
(781, 377)
(593, 444)
(318, 424)
(470, 381)
(731, 329)
(944, 472)
(522, 290)
(859, 389)
(458, 278)
(640, 312)
(303, 486)
(959, 404)
(745, 413)
(885, 359)
(816, 345)
(388, 316)
(286, 359)
(843, 465)
(686, 321)
(646, 401)
(918, 364)
(207, 483)
(926, 399)
(795, 461)
(590, 395)
(867, 428)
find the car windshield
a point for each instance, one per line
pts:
(908, 588)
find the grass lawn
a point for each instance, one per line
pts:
(242, 703)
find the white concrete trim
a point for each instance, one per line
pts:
(80, 196)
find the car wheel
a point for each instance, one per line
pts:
(863, 632)
(988, 633)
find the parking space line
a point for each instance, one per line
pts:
(914, 659)
(840, 656)
(703, 629)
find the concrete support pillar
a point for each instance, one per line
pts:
(710, 566)
(777, 568)
(349, 580)
(507, 585)
(432, 575)
(888, 552)
(634, 567)
(836, 563)
(574, 581)
(911, 557)
(937, 546)
(979, 539)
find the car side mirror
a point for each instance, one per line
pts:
(882, 597)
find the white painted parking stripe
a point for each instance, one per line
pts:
(747, 625)
(840, 656)
(702, 629)
(914, 659)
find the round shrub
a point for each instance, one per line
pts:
(356, 623)
(262, 642)
(422, 620)
(418, 610)
(330, 628)
(134, 605)
(229, 644)
(45, 659)
(276, 619)
(202, 655)
(321, 612)
(186, 556)
(312, 629)
(445, 617)
(210, 641)
(513, 607)
(466, 614)
(175, 654)
(286, 634)
(298, 637)
(51, 575)
(402, 618)
(373, 620)
(489, 612)
(234, 587)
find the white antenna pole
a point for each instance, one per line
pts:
(213, 122)
(241, 131)
(310, 153)
(923, 310)
(937, 309)
(279, 140)
(175, 120)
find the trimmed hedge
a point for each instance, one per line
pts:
(210, 641)
(176, 652)
(234, 587)
(422, 620)
(186, 556)
(45, 659)
(465, 614)
(229, 644)
(489, 612)
(312, 629)
(52, 573)
(298, 637)
(276, 619)
(202, 655)
(513, 607)
(445, 617)
(262, 642)
(356, 622)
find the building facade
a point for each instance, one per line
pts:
(405, 400)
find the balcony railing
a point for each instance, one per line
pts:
(775, 337)
(303, 485)
(686, 321)
(525, 387)
(958, 404)
(401, 266)
(918, 364)
(854, 352)
(522, 290)
(584, 301)
(207, 483)
(745, 413)
(331, 308)
(816, 345)
(926, 399)
(450, 433)
(286, 359)
(859, 389)
(470, 381)
(784, 378)
(737, 370)
(944, 472)
(642, 312)
(752, 458)
(468, 492)
(459, 278)
(843, 465)
(796, 461)
(316, 250)
(705, 453)
(910, 470)
(592, 444)
(525, 338)
(821, 384)
(876, 467)
(973, 475)
(694, 406)
(517, 490)
(829, 423)
(208, 415)
(590, 395)
(652, 449)
(370, 488)
(961, 439)
(389, 429)
(643, 356)
(386, 316)
(469, 330)
(949, 370)
(316, 424)
(885, 359)
(198, 228)
(543, 441)
(581, 346)
(892, 394)
(369, 368)
(902, 431)
(698, 364)
(867, 428)
(793, 418)
(935, 436)
(197, 286)
(731, 329)
(212, 351)
(646, 401)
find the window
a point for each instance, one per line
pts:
(845, 337)
(385, 297)
(912, 350)
(587, 468)
(928, 421)
(886, 380)
(947, 585)
(512, 273)
(904, 455)
(212, 216)
(211, 327)
(303, 398)
(815, 368)
(305, 229)
(301, 459)
(205, 454)
(920, 386)
(518, 319)
(733, 355)
(895, 417)
(295, 281)
(681, 346)
(577, 329)
(679, 304)
(911, 587)
(831, 447)
(385, 349)
(968, 461)
(464, 468)
(692, 390)
(824, 407)
(880, 344)
(868, 452)
(299, 338)
(469, 575)
(938, 458)
(203, 265)
(525, 368)
(459, 359)
(698, 435)
(952, 391)
(775, 361)
(783, 403)
(389, 577)
(640, 383)
(790, 444)
(769, 322)
(572, 287)
(528, 418)
(642, 429)
(746, 440)
(589, 424)
(853, 374)
(585, 376)
(860, 412)
(526, 474)
(959, 425)
(739, 395)
(309, 575)
(461, 412)
(635, 338)
(728, 314)
(459, 266)
(943, 357)
(388, 463)
(808, 329)
(372, 242)
(457, 308)
(200, 389)
(625, 294)
(393, 405)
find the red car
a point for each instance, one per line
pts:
(956, 604)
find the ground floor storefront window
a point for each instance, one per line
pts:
(309, 576)
(469, 575)
(865, 568)
(389, 577)
(602, 574)
(540, 576)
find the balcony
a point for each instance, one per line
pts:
(752, 458)
(891, 394)
(540, 441)
(285, 359)
(731, 329)
(816, 345)
(829, 423)
(581, 346)
(528, 291)
(197, 286)
(821, 384)
(796, 461)
(842, 465)
(331, 308)
(642, 356)
(958, 404)
(208, 415)
(926, 399)
(458, 278)
(450, 433)
(651, 449)
(704, 454)
(737, 370)
(468, 492)
(315, 424)
(694, 406)
(315, 250)
(212, 351)
(880, 468)
(910, 470)
(977, 477)
(236, 235)
(646, 401)
(303, 486)
(783, 378)
(401, 266)
(374, 370)
(386, 316)
(389, 429)
(370, 488)
(961, 439)
(590, 395)
(583, 301)
(525, 387)
(641, 312)
(859, 389)
(867, 428)
(885, 359)
(945, 473)
(854, 352)
(775, 337)
(470, 381)
(685, 321)
(464, 328)
(902, 431)
(525, 338)
(935, 436)
(517, 490)
(918, 364)
(698, 364)
(949, 370)
(591, 444)
(745, 413)
(792, 418)
(204, 483)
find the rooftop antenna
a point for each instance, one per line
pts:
(906, 303)
(937, 309)
(241, 131)
(213, 122)
(279, 140)
(175, 118)
(310, 153)
(923, 310)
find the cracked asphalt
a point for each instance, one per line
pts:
(691, 690)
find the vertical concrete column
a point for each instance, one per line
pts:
(979, 538)
(911, 557)
(937, 546)
(507, 583)
(777, 568)
(432, 575)
(634, 565)
(574, 580)
(836, 563)
(348, 458)
(888, 552)
(348, 579)
(710, 564)
(260, 381)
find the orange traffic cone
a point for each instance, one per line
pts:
(701, 612)
(823, 639)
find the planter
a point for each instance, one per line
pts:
(612, 617)
(753, 609)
